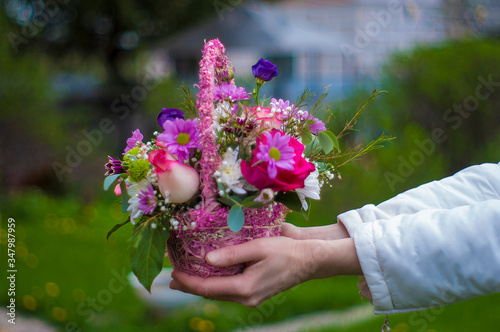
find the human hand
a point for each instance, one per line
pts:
(273, 265)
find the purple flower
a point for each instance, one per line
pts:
(181, 137)
(277, 153)
(264, 70)
(314, 127)
(169, 114)
(132, 141)
(147, 200)
(317, 126)
(228, 91)
(114, 166)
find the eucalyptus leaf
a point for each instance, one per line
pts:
(235, 218)
(148, 251)
(306, 136)
(116, 227)
(334, 139)
(325, 141)
(311, 147)
(108, 181)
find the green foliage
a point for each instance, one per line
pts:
(148, 250)
(443, 88)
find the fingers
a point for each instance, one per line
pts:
(241, 253)
(290, 231)
(214, 288)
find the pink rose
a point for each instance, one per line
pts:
(266, 118)
(177, 182)
(285, 179)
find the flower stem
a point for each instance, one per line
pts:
(259, 83)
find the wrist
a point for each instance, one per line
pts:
(333, 258)
(327, 232)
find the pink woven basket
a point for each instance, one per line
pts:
(205, 229)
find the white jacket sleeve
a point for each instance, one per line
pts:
(433, 245)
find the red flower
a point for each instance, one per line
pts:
(285, 180)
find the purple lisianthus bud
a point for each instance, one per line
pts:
(264, 70)
(169, 114)
(114, 166)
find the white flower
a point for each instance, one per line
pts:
(311, 189)
(223, 110)
(230, 172)
(133, 191)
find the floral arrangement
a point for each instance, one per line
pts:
(225, 170)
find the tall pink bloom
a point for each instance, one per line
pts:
(213, 59)
(181, 137)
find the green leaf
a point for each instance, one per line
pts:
(235, 218)
(294, 217)
(311, 147)
(230, 201)
(124, 197)
(306, 214)
(225, 201)
(250, 202)
(148, 250)
(325, 141)
(334, 139)
(108, 181)
(290, 199)
(116, 227)
(306, 136)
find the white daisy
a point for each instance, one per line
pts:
(229, 172)
(223, 111)
(311, 189)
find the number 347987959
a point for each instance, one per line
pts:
(11, 242)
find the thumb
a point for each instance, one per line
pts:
(231, 255)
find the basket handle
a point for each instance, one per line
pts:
(213, 58)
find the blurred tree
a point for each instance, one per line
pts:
(107, 29)
(31, 125)
(99, 44)
(472, 17)
(447, 97)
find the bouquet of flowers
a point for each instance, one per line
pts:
(226, 170)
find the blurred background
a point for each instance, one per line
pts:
(77, 77)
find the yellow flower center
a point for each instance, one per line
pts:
(183, 139)
(274, 153)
